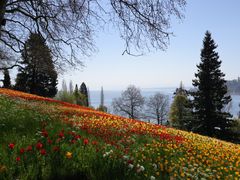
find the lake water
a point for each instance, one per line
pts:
(110, 95)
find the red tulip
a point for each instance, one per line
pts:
(94, 142)
(39, 145)
(22, 150)
(73, 141)
(44, 133)
(77, 137)
(56, 148)
(49, 141)
(11, 145)
(85, 141)
(29, 148)
(18, 159)
(43, 152)
(61, 135)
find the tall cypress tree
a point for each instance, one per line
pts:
(84, 94)
(6, 79)
(76, 95)
(210, 96)
(37, 75)
(101, 106)
(102, 97)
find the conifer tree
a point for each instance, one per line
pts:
(180, 115)
(210, 96)
(76, 95)
(102, 107)
(89, 98)
(37, 74)
(84, 94)
(6, 79)
(64, 86)
(70, 87)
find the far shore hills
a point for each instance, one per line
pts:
(234, 86)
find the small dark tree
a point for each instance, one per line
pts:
(6, 79)
(102, 97)
(210, 97)
(37, 74)
(21, 80)
(180, 90)
(101, 106)
(84, 94)
(76, 95)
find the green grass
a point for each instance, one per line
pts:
(22, 122)
(17, 123)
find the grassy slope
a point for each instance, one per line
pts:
(95, 145)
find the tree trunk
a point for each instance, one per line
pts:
(2, 12)
(132, 113)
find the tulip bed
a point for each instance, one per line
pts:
(42, 138)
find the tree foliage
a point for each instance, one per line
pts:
(69, 26)
(76, 95)
(130, 103)
(65, 96)
(180, 115)
(6, 79)
(210, 96)
(37, 74)
(235, 131)
(84, 95)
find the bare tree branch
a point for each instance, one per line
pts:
(130, 103)
(158, 107)
(68, 26)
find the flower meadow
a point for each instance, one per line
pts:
(42, 138)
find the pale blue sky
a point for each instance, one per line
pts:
(114, 71)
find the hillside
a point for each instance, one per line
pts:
(48, 139)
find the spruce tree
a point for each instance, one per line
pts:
(6, 79)
(210, 96)
(180, 115)
(84, 94)
(37, 74)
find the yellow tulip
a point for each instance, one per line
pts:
(69, 155)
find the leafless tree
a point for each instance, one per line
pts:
(8, 60)
(157, 107)
(69, 25)
(130, 103)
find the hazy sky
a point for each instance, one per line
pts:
(114, 71)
